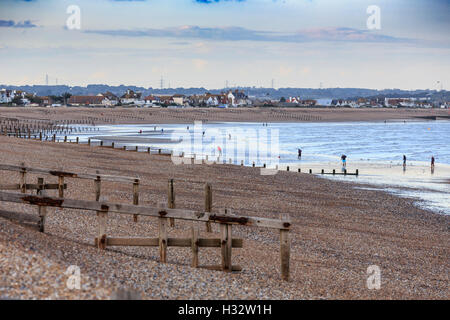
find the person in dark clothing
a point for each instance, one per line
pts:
(299, 153)
(432, 162)
(344, 160)
(404, 161)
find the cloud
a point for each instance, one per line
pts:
(212, 1)
(242, 34)
(13, 24)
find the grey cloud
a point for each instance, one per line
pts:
(243, 34)
(13, 24)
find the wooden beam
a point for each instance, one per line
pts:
(162, 236)
(171, 201)
(285, 250)
(102, 219)
(97, 188)
(194, 244)
(226, 237)
(104, 177)
(23, 178)
(208, 204)
(42, 210)
(145, 211)
(171, 242)
(61, 186)
(135, 197)
(219, 268)
(31, 186)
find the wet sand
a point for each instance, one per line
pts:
(339, 230)
(189, 115)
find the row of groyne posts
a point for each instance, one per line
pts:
(44, 130)
(48, 132)
(165, 212)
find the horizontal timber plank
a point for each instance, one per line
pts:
(171, 242)
(219, 268)
(104, 177)
(144, 210)
(30, 186)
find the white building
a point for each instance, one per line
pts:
(6, 96)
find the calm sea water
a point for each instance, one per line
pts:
(375, 148)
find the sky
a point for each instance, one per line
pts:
(212, 43)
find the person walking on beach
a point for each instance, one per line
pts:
(404, 161)
(432, 162)
(344, 160)
(299, 153)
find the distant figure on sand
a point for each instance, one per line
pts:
(220, 150)
(344, 160)
(404, 161)
(432, 162)
(299, 153)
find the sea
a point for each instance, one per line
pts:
(376, 149)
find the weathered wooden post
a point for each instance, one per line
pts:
(194, 244)
(65, 138)
(162, 233)
(226, 241)
(171, 201)
(287, 168)
(208, 204)
(23, 178)
(97, 187)
(323, 171)
(78, 140)
(334, 171)
(357, 172)
(61, 186)
(285, 249)
(299, 170)
(42, 210)
(102, 219)
(89, 141)
(310, 170)
(135, 197)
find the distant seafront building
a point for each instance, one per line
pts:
(6, 96)
(131, 97)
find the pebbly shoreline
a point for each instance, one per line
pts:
(338, 232)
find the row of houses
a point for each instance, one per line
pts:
(230, 98)
(225, 99)
(365, 103)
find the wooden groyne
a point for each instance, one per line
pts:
(164, 212)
